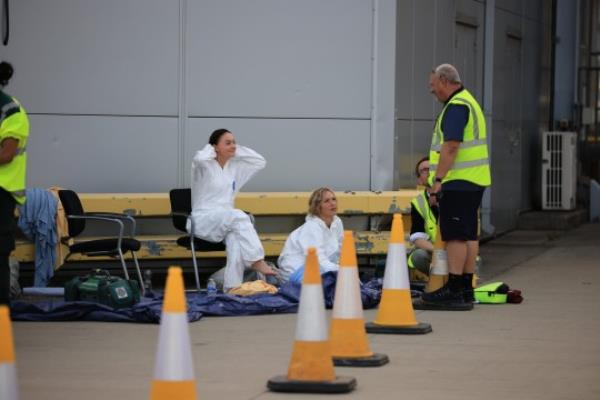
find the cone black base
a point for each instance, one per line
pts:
(420, 329)
(341, 384)
(419, 304)
(376, 360)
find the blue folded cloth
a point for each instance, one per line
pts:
(37, 221)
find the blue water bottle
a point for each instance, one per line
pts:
(211, 287)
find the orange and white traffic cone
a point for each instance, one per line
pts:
(396, 314)
(311, 367)
(349, 344)
(8, 372)
(438, 272)
(174, 369)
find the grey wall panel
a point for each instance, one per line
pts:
(103, 154)
(424, 104)
(301, 154)
(532, 9)
(511, 6)
(95, 57)
(403, 150)
(281, 58)
(469, 42)
(414, 145)
(405, 53)
(444, 32)
(507, 163)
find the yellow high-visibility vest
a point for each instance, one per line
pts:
(14, 124)
(472, 160)
(421, 204)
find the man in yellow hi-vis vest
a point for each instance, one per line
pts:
(424, 217)
(14, 131)
(459, 172)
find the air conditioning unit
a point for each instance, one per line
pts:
(559, 170)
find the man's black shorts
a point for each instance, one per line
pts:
(7, 222)
(458, 214)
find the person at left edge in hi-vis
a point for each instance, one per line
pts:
(14, 131)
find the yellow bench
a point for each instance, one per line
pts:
(267, 203)
(156, 205)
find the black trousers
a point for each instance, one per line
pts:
(7, 242)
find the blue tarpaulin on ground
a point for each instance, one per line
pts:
(148, 310)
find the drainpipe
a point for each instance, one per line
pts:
(488, 81)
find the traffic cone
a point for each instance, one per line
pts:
(8, 372)
(311, 367)
(396, 314)
(174, 370)
(438, 277)
(349, 345)
(438, 273)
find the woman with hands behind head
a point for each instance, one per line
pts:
(219, 171)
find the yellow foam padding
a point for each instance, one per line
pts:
(395, 308)
(435, 282)
(168, 390)
(258, 203)
(311, 361)
(348, 338)
(164, 247)
(311, 267)
(397, 234)
(7, 350)
(348, 256)
(174, 292)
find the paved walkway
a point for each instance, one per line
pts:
(546, 348)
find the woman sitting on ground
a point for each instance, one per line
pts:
(323, 229)
(219, 171)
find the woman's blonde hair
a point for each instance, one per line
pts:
(315, 200)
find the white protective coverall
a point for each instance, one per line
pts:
(313, 233)
(213, 194)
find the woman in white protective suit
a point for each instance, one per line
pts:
(219, 171)
(323, 229)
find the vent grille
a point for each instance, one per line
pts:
(558, 170)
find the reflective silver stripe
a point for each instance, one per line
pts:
(421, 203)
(463, 145)
(8, 107)
(21, 150)
(19, 193)
(462, 165)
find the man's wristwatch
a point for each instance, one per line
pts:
(438, 179)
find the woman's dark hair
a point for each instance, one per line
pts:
(426, 158)
(6, 72)
(216, 135)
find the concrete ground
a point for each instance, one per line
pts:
(548, 347)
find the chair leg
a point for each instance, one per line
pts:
(123, 264)
(196, 274)
(139, 272)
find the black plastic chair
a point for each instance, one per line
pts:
(114, 246)
(181, 209)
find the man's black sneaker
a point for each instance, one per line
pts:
(443, 296)
(468, 296)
